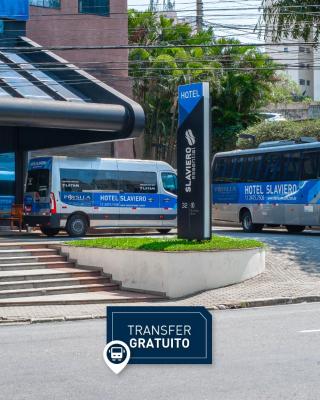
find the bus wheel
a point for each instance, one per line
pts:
(247, 225)
(164, 231)
(295, 228)
(77, 225)
(49, 231)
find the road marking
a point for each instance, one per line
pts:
(310, 331)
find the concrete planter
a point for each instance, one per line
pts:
(173, 274)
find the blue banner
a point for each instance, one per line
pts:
(14, 9)
(162, 335)
(295, 192)
(40, 163)
(137, 200)
(189, 97)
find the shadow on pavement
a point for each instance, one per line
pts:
(303, 249)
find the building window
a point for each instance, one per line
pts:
(308, 83)
(301, 65)
(302, 82)
(301, 49)
(97, 7)
(308, 50)
(46, 3)
(286, 49)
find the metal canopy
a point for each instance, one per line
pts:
(40, 90)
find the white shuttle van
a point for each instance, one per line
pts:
(74, 194)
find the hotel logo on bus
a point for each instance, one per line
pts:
(299, 192)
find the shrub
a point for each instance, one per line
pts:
(282, 130)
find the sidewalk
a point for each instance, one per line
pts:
(292, 275)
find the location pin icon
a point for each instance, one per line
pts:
(116, 355)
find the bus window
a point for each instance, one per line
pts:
(169, 182)
(254, 165)
(272, 167)
(291, 166)
(38, 181)
(309, 166)
(138, 182)
(238, 169)
(86, 180)
(219, 169)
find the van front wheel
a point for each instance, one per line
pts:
(77, 226)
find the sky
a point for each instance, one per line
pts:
(231, 18)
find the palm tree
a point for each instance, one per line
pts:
(297, 19)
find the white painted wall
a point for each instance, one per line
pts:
(174, 274)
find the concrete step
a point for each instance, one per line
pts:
(30, 259)
(105, 297)
(7, 294)
(46, 283)
(47, 273)
(23, 245)
(35, 265)
(27, 253)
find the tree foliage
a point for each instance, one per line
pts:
(298, 19)
(286, 90)
(239, 78)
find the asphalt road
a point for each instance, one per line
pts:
(266, 353)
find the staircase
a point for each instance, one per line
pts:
(36, 274)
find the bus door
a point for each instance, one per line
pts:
(139, 198)
(168, 198)
(309, 195)
(291, 176)
(273, 209)
(38, 188)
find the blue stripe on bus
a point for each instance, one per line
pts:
(6, 203)
(294, 192)
(87, 199)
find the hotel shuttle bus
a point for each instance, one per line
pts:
(277, 184)
(76, 194)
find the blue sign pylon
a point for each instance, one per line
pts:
(194, 162)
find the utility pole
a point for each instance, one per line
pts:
(199, 18)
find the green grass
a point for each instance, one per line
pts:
(171, 244)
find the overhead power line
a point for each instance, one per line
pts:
(156, 46)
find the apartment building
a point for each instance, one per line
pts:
(49, 107)
(88, 23)
(85, 23)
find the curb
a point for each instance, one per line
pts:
(226, 306)
(266, 302)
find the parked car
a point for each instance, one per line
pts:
(272, 117)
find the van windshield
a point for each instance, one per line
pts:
(38, 181)
(169, 181)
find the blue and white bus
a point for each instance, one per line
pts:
(277, 184)
(73, 194)
(7, 181)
